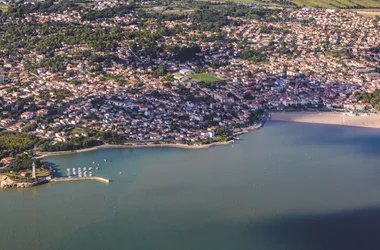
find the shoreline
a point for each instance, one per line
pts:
(322, 117)
(110, 146)
(330, 118)
(245, 130)
(132, 146)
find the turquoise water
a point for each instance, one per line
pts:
(286, 186)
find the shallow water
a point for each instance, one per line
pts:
(287, 186)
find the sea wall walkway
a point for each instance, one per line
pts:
(90, 178)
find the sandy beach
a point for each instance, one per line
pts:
(334, 118)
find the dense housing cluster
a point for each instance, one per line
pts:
(139, 71)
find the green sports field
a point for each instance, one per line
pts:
(205, 77)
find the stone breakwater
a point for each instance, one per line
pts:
(91, 178)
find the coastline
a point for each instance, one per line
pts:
(41, 155)
(132, 146)
(331, 118)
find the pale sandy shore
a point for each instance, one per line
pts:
(181, 146)
(334, 118)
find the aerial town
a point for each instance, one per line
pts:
(190, 124)
(145, 72)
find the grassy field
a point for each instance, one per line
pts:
(205, 77)
(3, 7)
(39, 173)
(368, 12)
(177, 11)
(337, 3)
(261, 2)
(77, 130)
(328, 4)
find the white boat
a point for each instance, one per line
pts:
(120, 173)
(97, 168)
(90, 168)
(93, 162)
(105, 159)
(84, 169)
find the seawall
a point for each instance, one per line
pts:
(90, 178)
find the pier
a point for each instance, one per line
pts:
(89, 178)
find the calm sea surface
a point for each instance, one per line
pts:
(286, 186)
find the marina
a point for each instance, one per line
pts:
(80, 174)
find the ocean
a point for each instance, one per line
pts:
(286, 186)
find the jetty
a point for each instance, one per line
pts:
(88, 178)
